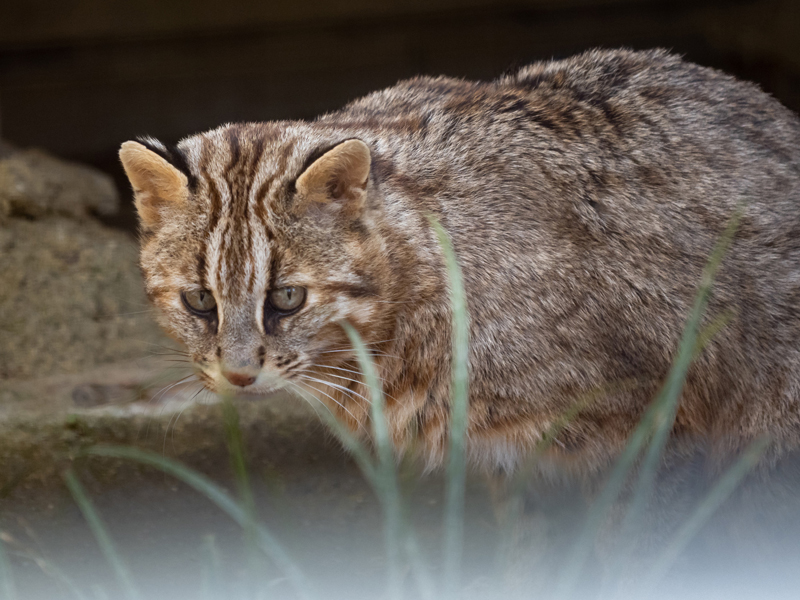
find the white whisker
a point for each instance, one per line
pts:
(337, 368)
(127, 314)
(164, 390)
(164, 406)
(185, 405)
(154, 398)
(163, 347)
(367, 344)
(342, 406)
(305, 395)
(352, 351)
(353, 380)
(337, 386)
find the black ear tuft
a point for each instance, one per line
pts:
(172, 154)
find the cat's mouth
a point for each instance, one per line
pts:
(253, 385)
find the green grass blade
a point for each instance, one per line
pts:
(357, 449)
(7, 586)
(571, 571)
(691, 341)
(709, 505)
(233, 436)
(648, 471)
(655, 425)
(211, 575)
(516, 488)
(709, 331)
(387, 485)
(380, 428)
(560, 423)
(51, 570)
(372, 472)
(266, 542)
(459, 414)
(666, 403)
(101, 535)
(419, 571)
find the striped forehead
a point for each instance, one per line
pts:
(240, 176)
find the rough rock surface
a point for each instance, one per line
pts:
(34, 184)
(71, 295)
(71, 298)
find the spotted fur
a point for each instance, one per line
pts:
(583, 198)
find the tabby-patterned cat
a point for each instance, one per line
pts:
(583, 198)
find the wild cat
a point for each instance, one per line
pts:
(582, 197)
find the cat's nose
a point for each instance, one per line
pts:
(240, 379)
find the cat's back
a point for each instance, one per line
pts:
(622, 96)
(633, 106)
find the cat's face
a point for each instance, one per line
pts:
(255, 249)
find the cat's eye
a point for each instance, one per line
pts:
(201, 302)
(287, 299)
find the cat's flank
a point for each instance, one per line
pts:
(583, 198)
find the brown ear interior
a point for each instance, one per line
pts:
(156, 183)
(341, 174)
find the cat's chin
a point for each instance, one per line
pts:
(254, 394)
(257, 394)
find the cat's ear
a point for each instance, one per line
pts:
(339, 176)
(157, 184)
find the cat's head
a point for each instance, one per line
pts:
(257, 241)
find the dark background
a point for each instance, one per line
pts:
(78, 77)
